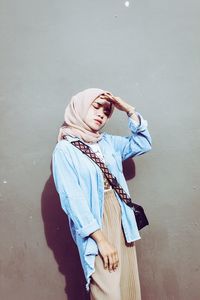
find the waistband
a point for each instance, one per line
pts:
(108, 190)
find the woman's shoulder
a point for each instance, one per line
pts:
(63, 145)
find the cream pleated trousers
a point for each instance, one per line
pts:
(122, 284)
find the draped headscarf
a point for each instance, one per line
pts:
(75, 114)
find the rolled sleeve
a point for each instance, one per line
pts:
(137, 143)
(88, 229)
(135, 126)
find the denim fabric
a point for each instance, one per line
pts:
(79, 182)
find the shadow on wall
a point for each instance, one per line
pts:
(59, 238)
(129, 169)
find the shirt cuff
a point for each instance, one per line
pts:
(87, 230)
(135, 126)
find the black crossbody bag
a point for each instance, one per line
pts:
(138, 210)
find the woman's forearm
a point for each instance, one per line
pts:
(132, 114)
(97, 236)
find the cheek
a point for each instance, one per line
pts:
(89, 116)
(105, 120)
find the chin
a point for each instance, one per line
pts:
(94, 128)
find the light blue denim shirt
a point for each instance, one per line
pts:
(79, 182)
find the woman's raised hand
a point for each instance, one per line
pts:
(121, 105)
(117, 102)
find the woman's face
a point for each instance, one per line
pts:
(98, 114)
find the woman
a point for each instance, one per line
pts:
(102, 225)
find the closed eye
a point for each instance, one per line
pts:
(97, 106)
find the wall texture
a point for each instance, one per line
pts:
(147, 53)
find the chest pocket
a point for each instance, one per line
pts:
(114, 161)
(118, 161)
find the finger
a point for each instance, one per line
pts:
(110, 263)
(105, 262)
(108, 97)
(108, 93)
(116, 262)
(112, 97)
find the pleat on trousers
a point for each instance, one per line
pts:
(123, 283)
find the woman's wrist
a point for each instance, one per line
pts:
(129, 110)
(98, 236)
(132, 114)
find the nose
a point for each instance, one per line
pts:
(100, 113)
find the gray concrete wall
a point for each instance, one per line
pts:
(147, 53)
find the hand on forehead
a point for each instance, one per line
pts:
(104, 100)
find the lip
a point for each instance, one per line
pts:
(98, 121)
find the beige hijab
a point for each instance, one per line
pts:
(75, 113)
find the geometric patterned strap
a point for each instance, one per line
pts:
(111, 179)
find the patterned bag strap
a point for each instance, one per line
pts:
(111, 179)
